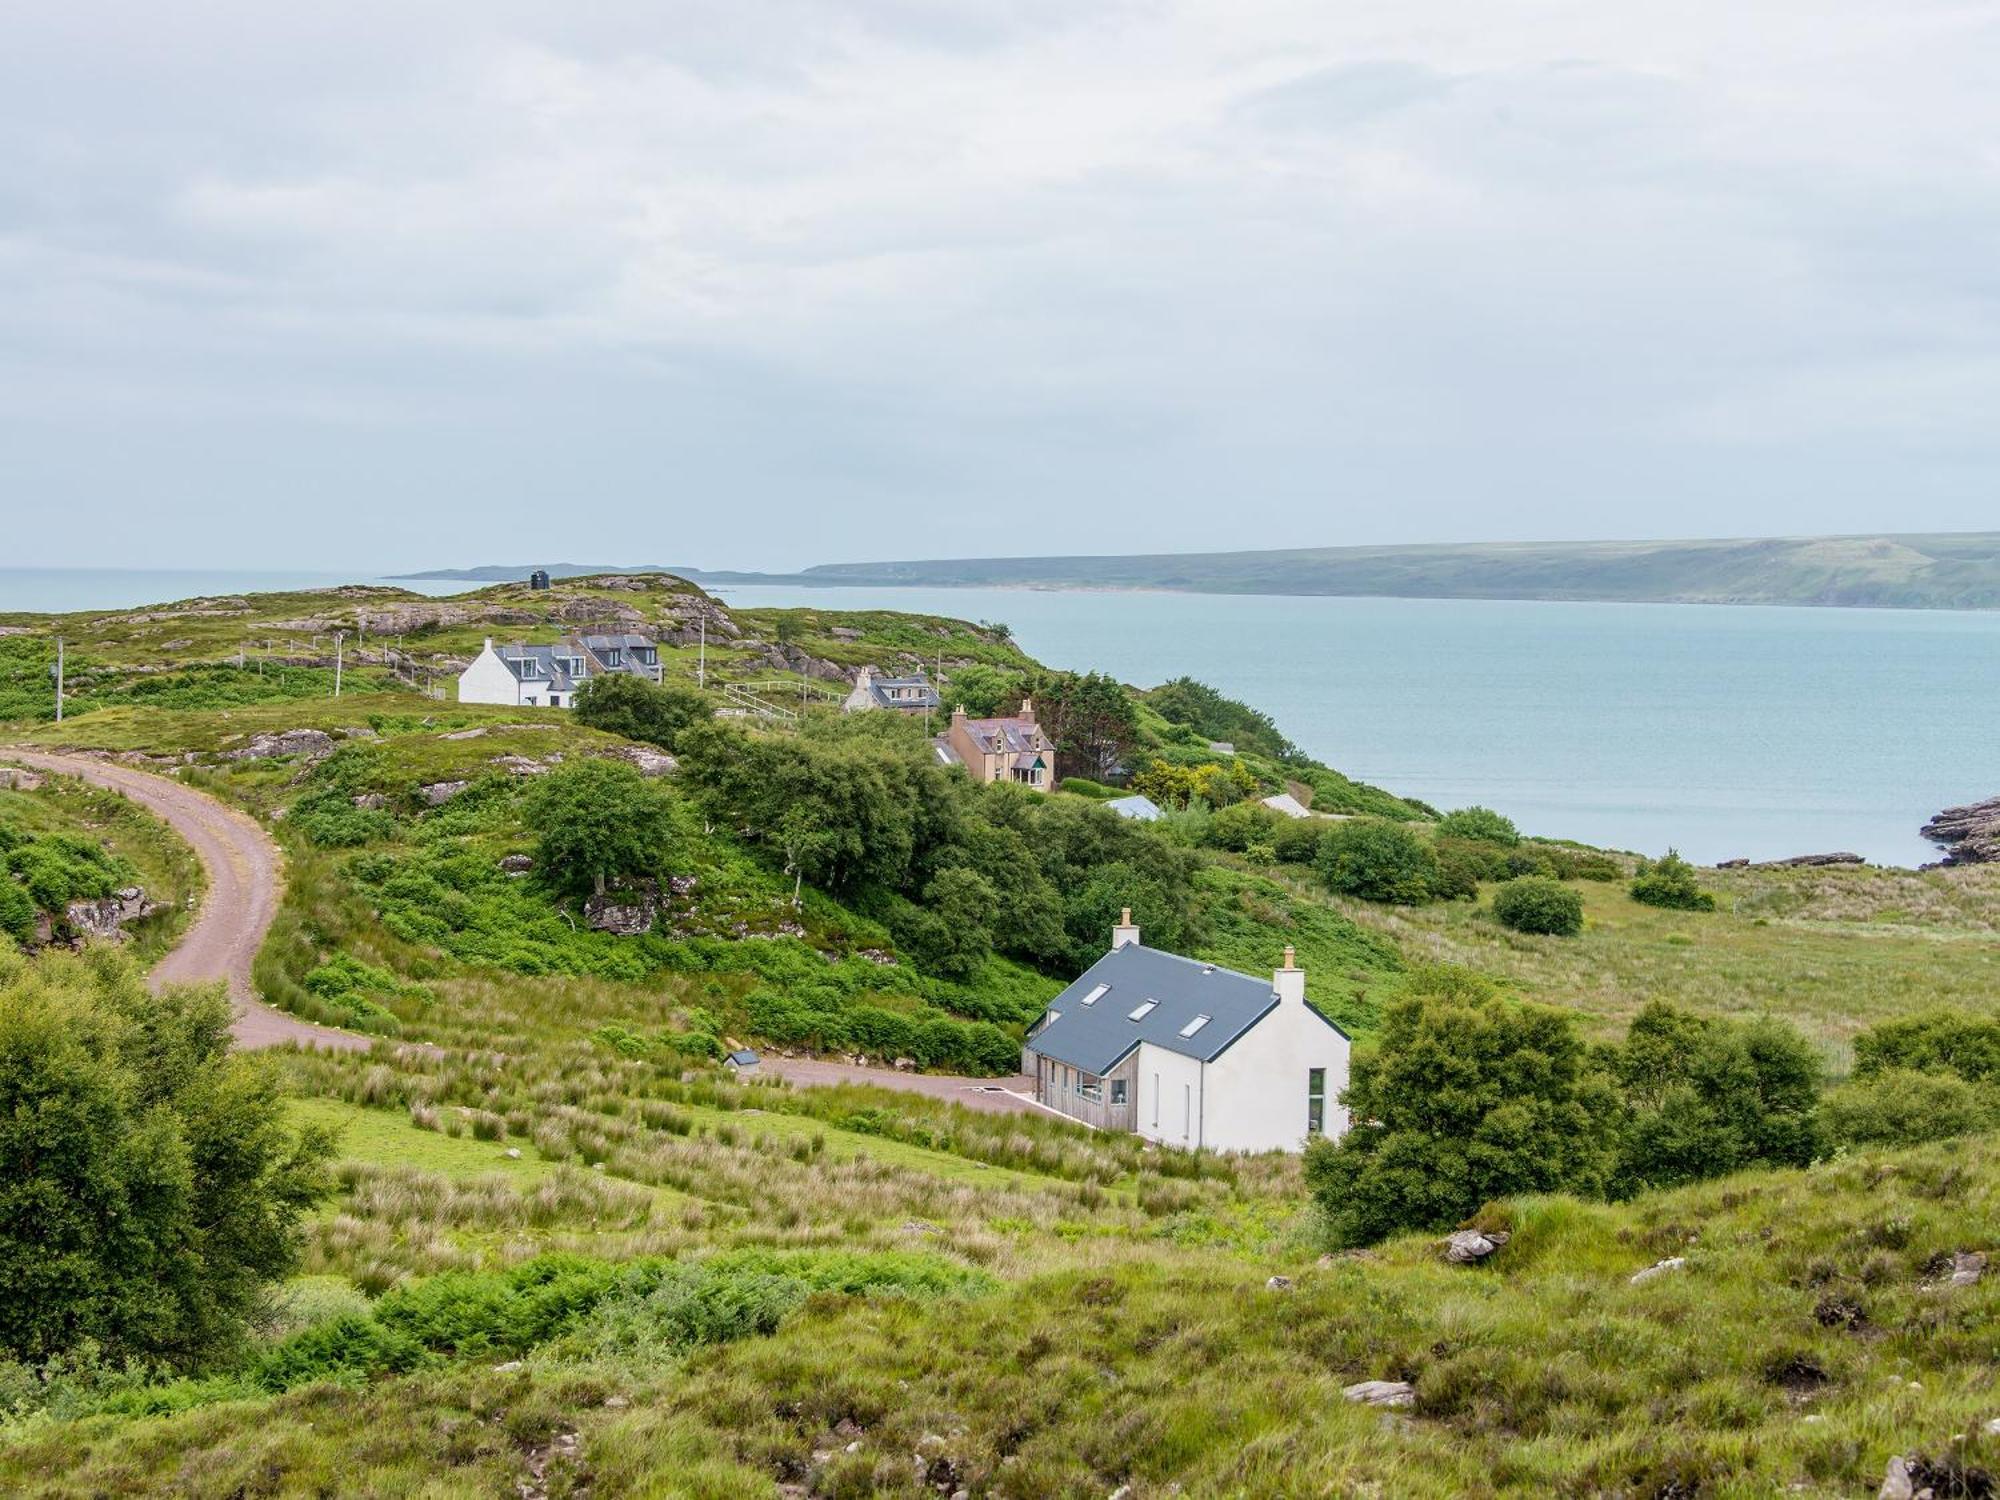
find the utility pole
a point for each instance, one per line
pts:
(701, 661)
(59, 678)
(338, 637)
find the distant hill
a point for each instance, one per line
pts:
(1938, 571)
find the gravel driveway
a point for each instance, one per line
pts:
(245, 880)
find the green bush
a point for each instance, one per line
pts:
(331, 820)
(1939, 1040)
(1536, 904)
(1377, 860)
(1669, 882)
(1481, 824)
(1901, 1107)
(657, 713)
(152, 1187)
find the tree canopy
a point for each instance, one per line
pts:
(620, 703)
(1465, 1097)
(599, 820)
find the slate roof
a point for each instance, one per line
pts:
(925, 696)
(1016, 734)
(1097, 1036)
(538, 664)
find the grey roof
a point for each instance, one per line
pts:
(617, 642)
(538, 663)
(1143, 808)
(1016, 734)
(743, 1058)
(1097, 1036)
(921, 693)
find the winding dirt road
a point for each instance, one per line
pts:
(245, 879)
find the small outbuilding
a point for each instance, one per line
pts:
(742, 1058)
(539, 579)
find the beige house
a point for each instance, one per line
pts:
(1005, 749)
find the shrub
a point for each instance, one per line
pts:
(1536, 904)
(152, 1188)
(1377, 860)
(1465, 1097)
(1932, 1041)
(1669, 882)
(1900, 1107)
(330, 819)
(640, 710)
(1481, 824)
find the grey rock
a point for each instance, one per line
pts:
(104, 918)
(1658, 1268)
(650, 762)
(1967, 1266)
(1390, 1393)
(1470, 1245)
(1898, 1484)
(1809, 861)
(1278, 1284)
(509, 1367)
(464, 734)
(313, 744)
(517, 864)
(369, 801)
(437, 793)
(18, 779)
(625, 913)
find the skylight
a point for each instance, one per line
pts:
(1096, 995)
(1141, 1011)
(1193, 1026)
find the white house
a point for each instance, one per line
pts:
(548, 676)
(1190, 1054)
(903, 695)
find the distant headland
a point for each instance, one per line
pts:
(1944, 570)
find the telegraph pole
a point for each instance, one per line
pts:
(338, 637)
(701, 661)
(59, 678)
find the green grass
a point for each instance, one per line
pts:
(1832, 951)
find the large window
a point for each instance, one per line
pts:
(1117, 1091)
(1315, 1101)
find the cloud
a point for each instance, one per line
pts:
(791, 282)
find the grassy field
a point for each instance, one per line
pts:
(1831, 950)
(846, 1292)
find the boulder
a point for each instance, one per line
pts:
(625, 912)
(15, 778)
(525, 765)
(1809, 861)
(1967, 1266)
(104, 918)
(1390, 1393)
(1658, 1268)
(437, 793)
(369, 801)
(1969, 835)
(1470, 1245)
(313, 744)
(465, 734)
(1733, 864)
(517, 864)
(1278, 1284)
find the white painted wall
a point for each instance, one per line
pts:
(1256, 1091)
(1170, 1091)
(487, 680)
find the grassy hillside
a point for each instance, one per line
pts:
(1944, 571)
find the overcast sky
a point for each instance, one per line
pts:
(376, 285)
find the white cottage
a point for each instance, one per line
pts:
(548, 676)
(1190, 1054)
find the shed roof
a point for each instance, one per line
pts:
(1138, 806)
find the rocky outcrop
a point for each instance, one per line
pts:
(313, 744)
(437, 793)
(650, 762)
(1658, 1268)
(15, 779)
(625, 913)
(1969, 835)
(1809, 861)
(516, 864)
(106, 918)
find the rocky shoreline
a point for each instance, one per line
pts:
(1969, 835)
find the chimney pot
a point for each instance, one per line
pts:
(1126, 933)
(1290, 981)
(1291, 956)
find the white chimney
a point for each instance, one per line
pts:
(489, 643)
(1290, 981)
(1126, 933)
